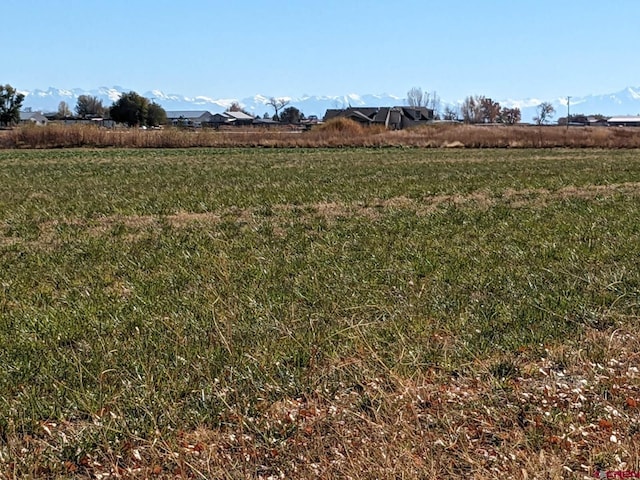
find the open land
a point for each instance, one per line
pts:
(319, 313)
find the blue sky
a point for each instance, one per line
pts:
(233, 49)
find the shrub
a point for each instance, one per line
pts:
(343, 126)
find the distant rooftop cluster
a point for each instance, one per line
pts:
(200, 118)
(395, 118)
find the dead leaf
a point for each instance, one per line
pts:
(605, 424)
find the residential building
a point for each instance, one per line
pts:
(33, 118)
(395, 118)
(189, 118)
(627, 121)
(231, 118)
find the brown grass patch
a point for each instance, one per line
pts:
(330, 211)
(336, 133)
(592, 191)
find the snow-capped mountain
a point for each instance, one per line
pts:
(49, 100)
(624, 102)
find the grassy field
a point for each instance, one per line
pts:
(305, 313)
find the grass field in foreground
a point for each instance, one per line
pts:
(345, 313)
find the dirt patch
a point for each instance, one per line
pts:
(183, 219)
(328, 210)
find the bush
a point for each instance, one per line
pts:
(342, 125)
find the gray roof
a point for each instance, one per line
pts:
(188, 114)
(238, 115)
(36, 116)
(382, 114)
(333, 113)
(358, 115)
(628, 119)
(417, 113)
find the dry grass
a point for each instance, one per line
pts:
(566, 414)
(336, 133)
(329, 212)
(356, 313)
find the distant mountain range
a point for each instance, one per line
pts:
(624, 102)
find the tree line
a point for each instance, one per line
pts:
(135, 110)
(131, 108)
(476, 109)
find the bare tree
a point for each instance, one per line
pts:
(467, 110)
(277, 104)
(433, 103)
(63, 110)
(450, 113)
(490, 110)
(545, 112)
(510, 116)
(415, 97)
(471, 109)
(235, 107)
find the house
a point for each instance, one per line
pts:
(97, 121)
(239, 118)
(33, 118)
(395, 118)
(597, 121)
(189, 118)
(364, 115)
(584, 121)
(231, 118)
(628, 121)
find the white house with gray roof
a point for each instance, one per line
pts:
(624, 121)
(232, 118)
(33, 118)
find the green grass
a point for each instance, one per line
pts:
(146, 292)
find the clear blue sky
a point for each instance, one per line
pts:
(237, 48)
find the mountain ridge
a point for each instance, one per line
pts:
(623, 102)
